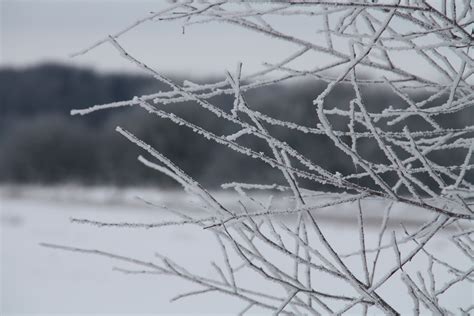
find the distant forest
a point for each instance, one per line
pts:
(41, 143)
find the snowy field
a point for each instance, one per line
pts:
(39, 280)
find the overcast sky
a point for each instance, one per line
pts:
(35, 31)
(49, 30)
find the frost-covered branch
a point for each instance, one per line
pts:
(363, 45)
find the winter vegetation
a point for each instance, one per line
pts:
(46, 145)
(295, 263)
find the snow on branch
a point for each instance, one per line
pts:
(363, 45)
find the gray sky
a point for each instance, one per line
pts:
(34, 31)
(49, 30)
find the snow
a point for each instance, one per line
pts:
(41, 280)
(44, 281)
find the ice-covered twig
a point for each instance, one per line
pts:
(350, 38)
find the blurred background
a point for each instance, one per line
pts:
(54, 166)
(39, 85)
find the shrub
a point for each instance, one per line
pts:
(401, 170)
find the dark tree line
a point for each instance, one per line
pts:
(41, 142)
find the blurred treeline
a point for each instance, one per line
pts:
(41, 143)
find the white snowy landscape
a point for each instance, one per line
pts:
(45, 281)
(295, 158)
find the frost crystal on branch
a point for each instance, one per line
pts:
(358, 44)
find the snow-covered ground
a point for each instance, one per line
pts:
(39, 280)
